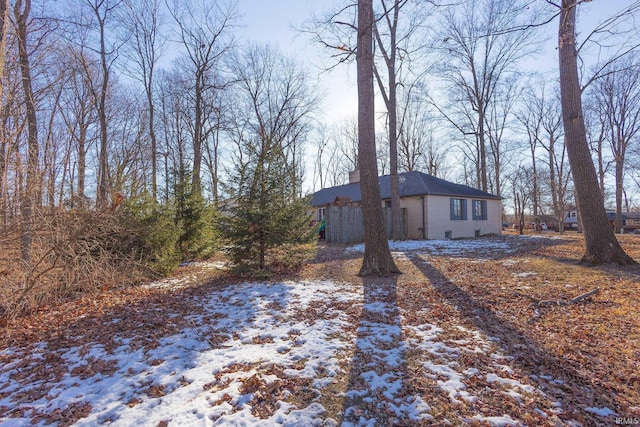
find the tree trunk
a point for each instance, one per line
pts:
(377, 256)
(21, 12)
(391, 100)
(82, 161)
(534, 181)
(4, 144)
(482, 146)
(619, 187)
(102, 197)
(152, 137)
(601, 245)
(552, 176)
(197, 132)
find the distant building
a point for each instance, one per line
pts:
(630, 220)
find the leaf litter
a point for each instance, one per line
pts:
(453, 340)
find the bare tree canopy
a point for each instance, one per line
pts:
(480, 53)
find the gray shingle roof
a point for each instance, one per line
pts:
(411, 184)
(625, 215)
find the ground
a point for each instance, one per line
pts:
(474, 332)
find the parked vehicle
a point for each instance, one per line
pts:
(543, 226)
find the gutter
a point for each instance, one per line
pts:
(424, 231)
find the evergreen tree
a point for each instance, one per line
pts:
(196, 219)
(264, 212)
(151, 233)
(272, 111)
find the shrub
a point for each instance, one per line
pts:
(153, 234)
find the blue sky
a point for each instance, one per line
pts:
(274, 22)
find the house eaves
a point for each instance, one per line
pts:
(411, 184)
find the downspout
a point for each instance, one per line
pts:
(424, 221)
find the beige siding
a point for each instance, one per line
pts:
(439, 219)
(414, 216)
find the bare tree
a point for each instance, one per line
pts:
(273, 108)
(4, 28)
(601, 245)
(52, 148)
(334, 159)
(617, 97)
(103, 10)
(281, 103)
(393, 48)
(595, 122)
(530, 116)
(323, 156)
(521, 188)
(144, 23)
(4, 145)
(417, 149)
(79, 113)
(377, 256)
(552, 140)
(175, 119)
(499, 118)
(348, 142)
(128, 154)
(21, 10)
(204, 31)
(99, 18)
(479, 52)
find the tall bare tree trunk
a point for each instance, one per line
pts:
(377, 256)
(198, 132)
(153, 138)
(390, 96)
(4, 24)
(103, 159)
(21, 12)
(600, 241)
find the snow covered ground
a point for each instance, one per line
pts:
(260, 354)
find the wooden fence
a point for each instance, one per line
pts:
(344, 224)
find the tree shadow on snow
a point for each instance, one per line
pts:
(579, 390)
(377, 392)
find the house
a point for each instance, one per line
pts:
(432, 207)
(571, 220)
(630, 220)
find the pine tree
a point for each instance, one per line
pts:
(263, 211)
(196, 219)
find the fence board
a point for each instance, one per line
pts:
(345, 224)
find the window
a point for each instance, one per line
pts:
(458, 209)
(480, 209)
(321, 213)
(387, 204)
